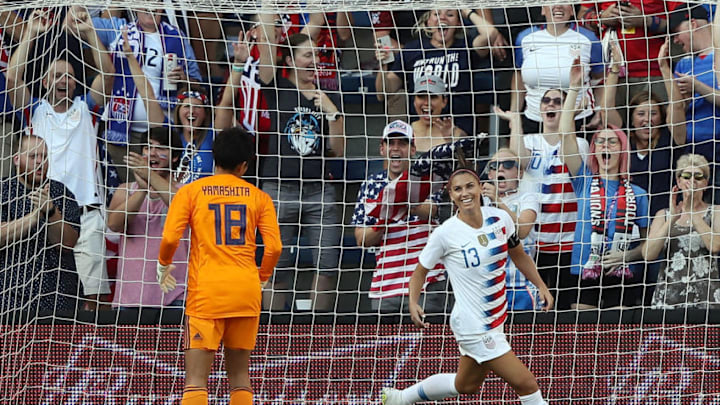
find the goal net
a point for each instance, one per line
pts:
(592, 123)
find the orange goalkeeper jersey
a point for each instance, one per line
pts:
(224, 213)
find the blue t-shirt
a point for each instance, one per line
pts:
(196, 160)
(583, 229)
(703, 118)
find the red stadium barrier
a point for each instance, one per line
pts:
(349, 364)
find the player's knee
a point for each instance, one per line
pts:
(466, 387)
(526, 386)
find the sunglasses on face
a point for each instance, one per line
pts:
(507, 164)
(553, 100)
(690, 175)
(608, 141)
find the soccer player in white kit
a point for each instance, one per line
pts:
(474, 246)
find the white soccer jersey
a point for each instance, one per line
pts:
(518, 202)
(545, 61)
(475, 261)
(558, 202)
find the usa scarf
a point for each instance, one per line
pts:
(119, 111)
(624, 220)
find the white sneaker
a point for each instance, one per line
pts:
(391, 396)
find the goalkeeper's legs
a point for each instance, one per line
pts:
(198, 363)
(237, 364)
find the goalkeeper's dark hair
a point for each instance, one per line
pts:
(233, 147)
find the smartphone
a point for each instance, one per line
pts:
(622, 3)
(385, 41)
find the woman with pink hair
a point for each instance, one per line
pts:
(612, 212)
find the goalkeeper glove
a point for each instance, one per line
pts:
(167, 281)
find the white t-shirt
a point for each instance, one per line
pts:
(475, 261)
(558, 202)
(518, 202)
(72, 147)
(545, 60)
(153, 69)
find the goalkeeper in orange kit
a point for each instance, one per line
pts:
(224, 284)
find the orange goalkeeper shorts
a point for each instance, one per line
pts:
(235, 333)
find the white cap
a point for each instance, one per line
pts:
(399, 127)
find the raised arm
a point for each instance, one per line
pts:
(265, 39)
(156, 115)
(675, 117)
(517, 144)
(607, 97)
(570, 150)
(19, 94)
(225, 111)
(316, 22)
(12, 24)
(80, 24)
(517, 92)
(386, 81)
(481, 42)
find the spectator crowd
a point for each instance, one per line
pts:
(595, 126)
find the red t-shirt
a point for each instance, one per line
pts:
(640, 48)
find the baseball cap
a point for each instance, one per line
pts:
(430, 84)
(685, 12)
(400, 128)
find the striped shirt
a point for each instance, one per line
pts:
(475, 259)
(397, 255)
(558, 203)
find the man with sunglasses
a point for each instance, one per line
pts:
(398, 243)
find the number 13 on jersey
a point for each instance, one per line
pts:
(227, 217)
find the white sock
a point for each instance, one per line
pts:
(533, 399)
(437, 386)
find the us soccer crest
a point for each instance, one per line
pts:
(483, 239)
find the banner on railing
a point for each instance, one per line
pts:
(349, 364)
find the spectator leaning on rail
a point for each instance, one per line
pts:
(39, 225)
(307, 127)
(688, 236)
(137, 211)
(67, 125)
(398, 242)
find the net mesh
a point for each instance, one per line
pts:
(88, 95)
